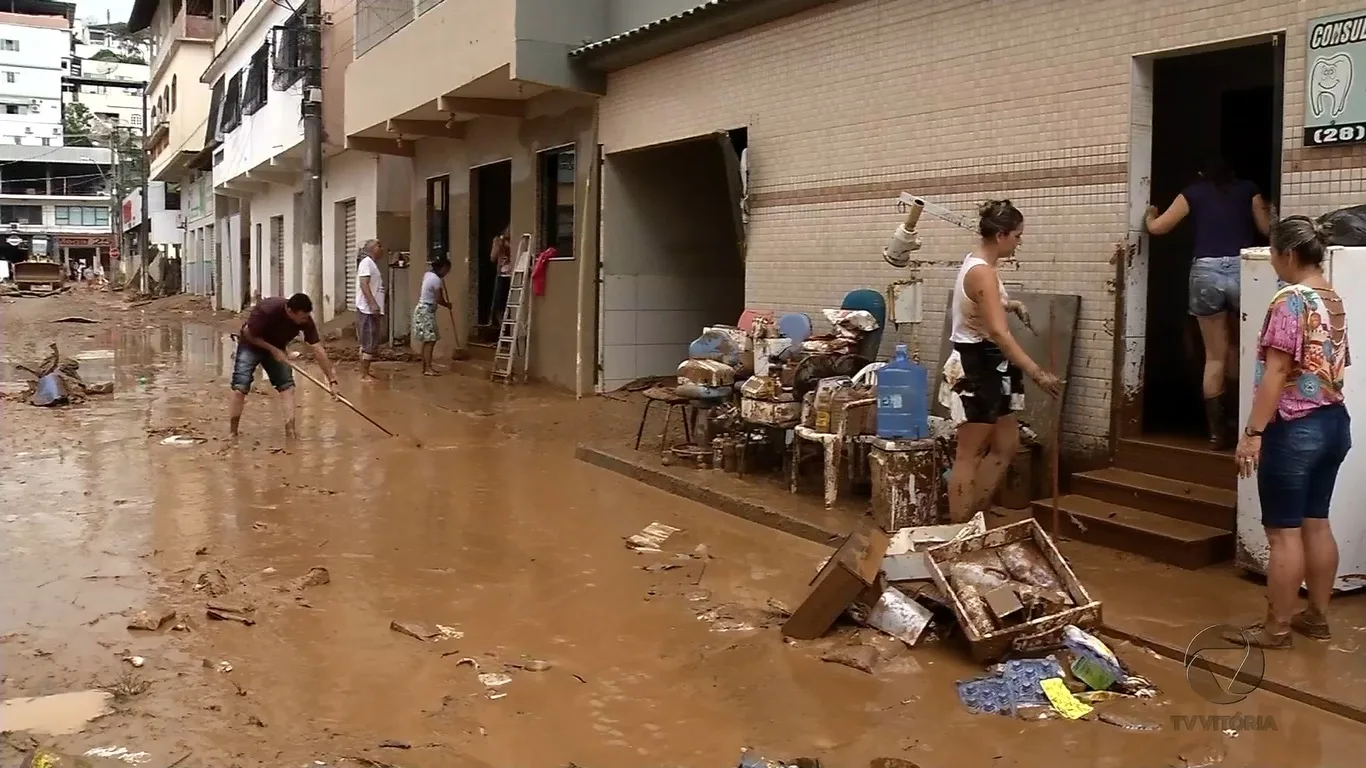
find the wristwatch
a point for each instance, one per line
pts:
(1250, 432)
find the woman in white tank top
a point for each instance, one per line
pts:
(993, 365)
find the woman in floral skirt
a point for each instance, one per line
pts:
(425, 329)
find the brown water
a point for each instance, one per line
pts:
(493, 531)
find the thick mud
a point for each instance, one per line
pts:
(481, 606)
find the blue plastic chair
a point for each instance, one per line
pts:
(876, 305)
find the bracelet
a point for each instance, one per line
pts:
(1250, 432)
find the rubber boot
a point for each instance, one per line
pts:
(1218, 429)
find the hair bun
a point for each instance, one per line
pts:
(1323, 231)
(992, 207)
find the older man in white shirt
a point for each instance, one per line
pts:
(369, 304)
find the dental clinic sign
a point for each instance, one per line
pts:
(1335, 83)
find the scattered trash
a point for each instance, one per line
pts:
(57, 381)
(223, 666)
(860, 657)
(1092, 661)
(1063, 700)
(151, 620)
(1010, 685)
(136, 661)
(122, 754)
(444, 632)
(655, 567)
(1126, 723)
(56, 715)
(182, 440)
(853, 568)
(533, 665)
(219, 611)
(49, 391)
(212, 582)
(897, 615)
(316, 577)
(74, 319)
(394, 744)
(494, 679)
(651, 538)
(905, 559)
(414, 630)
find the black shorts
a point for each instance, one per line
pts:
(991, 386)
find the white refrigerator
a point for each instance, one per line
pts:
(1346, 268)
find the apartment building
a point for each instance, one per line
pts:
(55, 205)
(35, 51)
(107, 73)
(162, 225)
(257, 76)
(180, 136)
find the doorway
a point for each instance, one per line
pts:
(673, 252)
(490, 214)
(1210, 105)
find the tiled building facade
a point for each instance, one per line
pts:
(1040, 101)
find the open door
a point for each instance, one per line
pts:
(1273, 189)
(737, 182)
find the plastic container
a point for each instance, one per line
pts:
(903, 405)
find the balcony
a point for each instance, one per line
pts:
(193, 23)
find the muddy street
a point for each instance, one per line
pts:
(476, 603)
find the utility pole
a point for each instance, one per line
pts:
(146, 180)
(311, 52)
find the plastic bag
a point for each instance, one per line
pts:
(1346, 226)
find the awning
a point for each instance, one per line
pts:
(707, 21)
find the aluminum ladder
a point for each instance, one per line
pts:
(511, 333)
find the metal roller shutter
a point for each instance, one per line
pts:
(349, 246)
(277, 252)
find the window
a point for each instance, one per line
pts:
(11, 76)
(232, 104)
(137, 120)
(28, 129)
(438, 217)
(557, 200)
(21, 214)
(288, 60)
(254, 97)
(173, 84)
(47, 142)
(18, 140)
(81, 215)
(13, 109)
(9, 45)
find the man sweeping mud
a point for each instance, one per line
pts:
(270, 327)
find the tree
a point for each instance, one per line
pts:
(78, 124)
(104, 54)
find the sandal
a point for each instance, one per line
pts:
(1258, 636)
(1311, 626)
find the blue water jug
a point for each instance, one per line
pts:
(903, 405)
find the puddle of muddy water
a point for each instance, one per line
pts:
(55, 715)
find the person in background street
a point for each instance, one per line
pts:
(1298, 433)
(1228, 213)
(271, 326)
(433, 294)
(501, 255)
(993, 365)
(369, 304)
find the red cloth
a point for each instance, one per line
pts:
(540, 268)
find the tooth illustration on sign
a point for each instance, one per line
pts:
(1329, 82)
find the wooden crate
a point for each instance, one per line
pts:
(1041, 633)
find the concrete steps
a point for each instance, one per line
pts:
(1173, 501)
(1165, 539)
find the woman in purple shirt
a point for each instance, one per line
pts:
(1228, 213)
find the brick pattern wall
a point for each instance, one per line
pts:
(958, 100)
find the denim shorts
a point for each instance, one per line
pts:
(1299, 465)
(1214, 285)
(244, 363)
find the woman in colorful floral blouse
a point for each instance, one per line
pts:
(1298, 433)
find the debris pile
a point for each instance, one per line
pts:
(57, 381)
(1008, 591)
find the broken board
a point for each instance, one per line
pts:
(1041, 412)
(852, 569)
